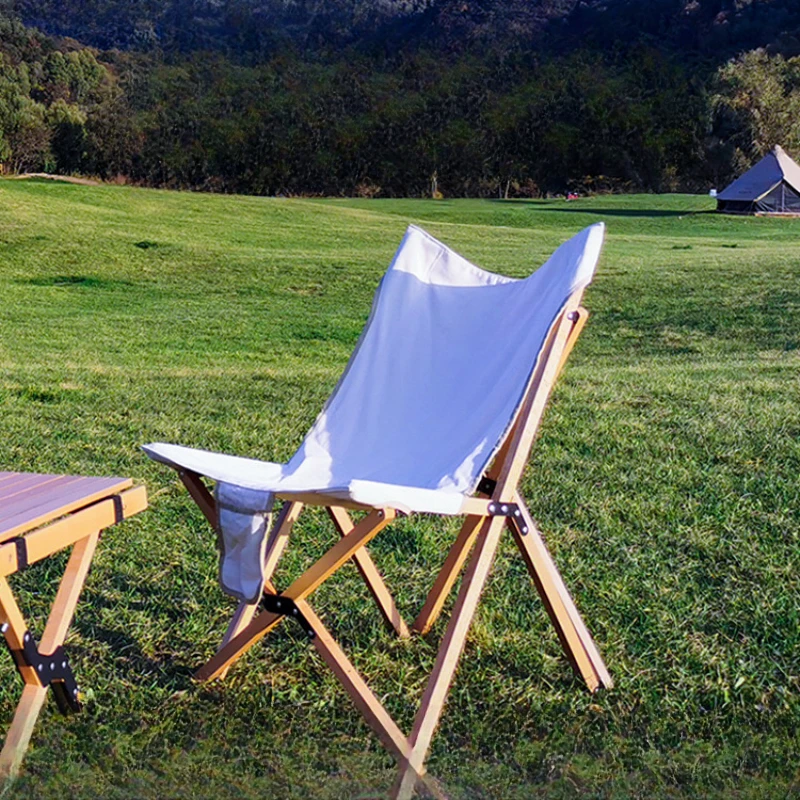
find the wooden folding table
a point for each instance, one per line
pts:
(40, 515)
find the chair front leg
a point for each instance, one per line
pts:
(450, 570)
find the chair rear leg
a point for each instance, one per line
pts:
(447, 575)
(369, 572)
(572, 631)
(450, 650)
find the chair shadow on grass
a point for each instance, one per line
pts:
(130, 660)
(126, 650)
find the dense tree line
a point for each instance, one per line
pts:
(254, 30)
(263, 103)
(49, 100)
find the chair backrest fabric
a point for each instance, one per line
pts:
(441, 367)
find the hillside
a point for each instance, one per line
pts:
(664, 479)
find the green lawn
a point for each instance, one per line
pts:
(665, 479)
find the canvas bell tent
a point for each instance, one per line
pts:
(772, 186)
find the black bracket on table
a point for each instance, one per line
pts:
(498, 509)
(119, 509)
(22, 552)
(278, 604)
(52, 670)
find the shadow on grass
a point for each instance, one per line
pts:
(131, 661)
(164, 667)
(631, 213)
(83, 281)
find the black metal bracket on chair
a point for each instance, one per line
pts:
(487, 486)
(278, 604)
(498, 509)
(52, 670)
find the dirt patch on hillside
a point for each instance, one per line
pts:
(65, 178)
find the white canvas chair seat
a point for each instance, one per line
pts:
(436, 412)
(432, 387)
(269, 476)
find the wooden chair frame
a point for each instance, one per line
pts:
(500, 506)
(80, 529)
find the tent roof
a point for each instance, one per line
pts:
(775, 167)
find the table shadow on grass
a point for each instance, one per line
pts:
(126, 649)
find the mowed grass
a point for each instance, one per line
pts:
(666, 479)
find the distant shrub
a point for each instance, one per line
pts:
(367, 188)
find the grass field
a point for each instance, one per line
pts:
(666, 480)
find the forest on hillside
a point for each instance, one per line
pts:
(474, 97)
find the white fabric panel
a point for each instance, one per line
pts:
(244, 517)
(432, 386)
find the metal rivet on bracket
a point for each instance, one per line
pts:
(55, 674)
(277, 604)
(508, 510)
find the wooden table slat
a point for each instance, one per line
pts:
(22, 484)
(10, 478)
(20, 493)
(54, 499)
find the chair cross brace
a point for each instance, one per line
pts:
(51, 669)
(285, 606)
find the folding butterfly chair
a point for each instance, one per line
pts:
(436, 413)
